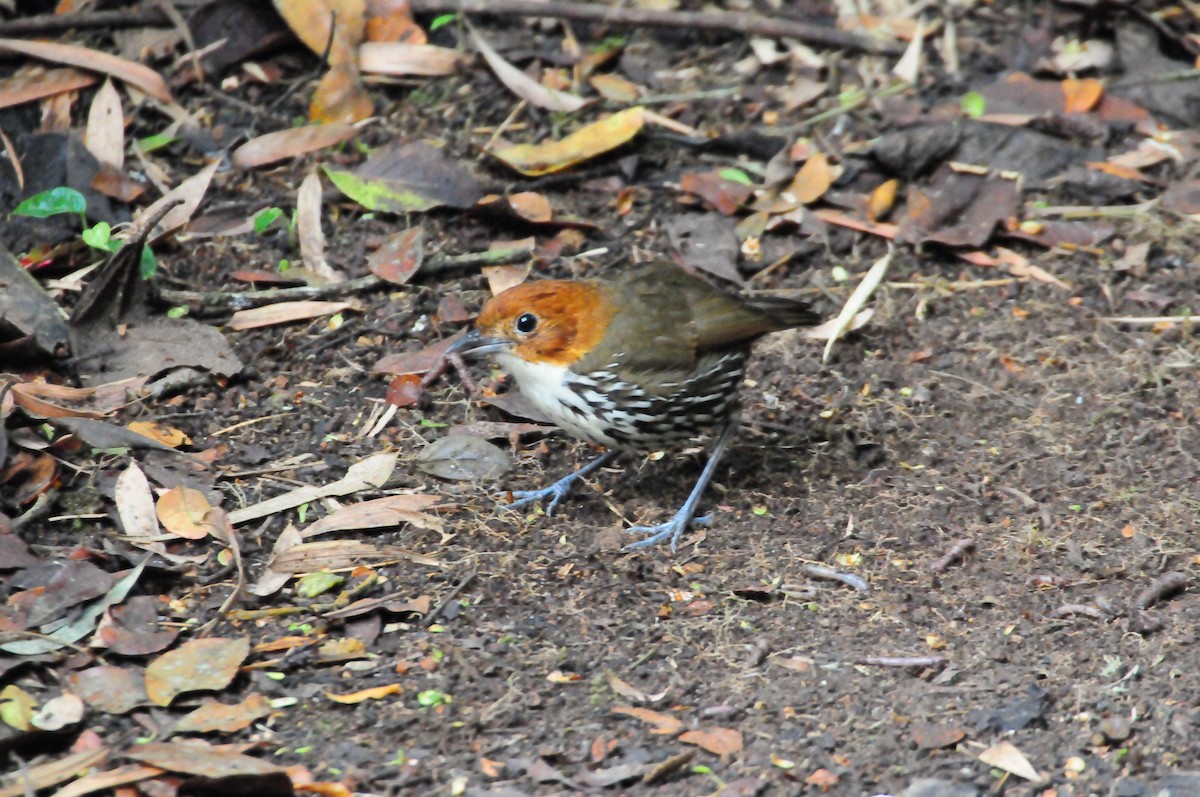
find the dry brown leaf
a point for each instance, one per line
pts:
(213, 716)
(1081, 95)
(20, 89)
(400, 257)
(135, 503)
(197, 665)
(339, 25)
(309, 557)
(1019, 266)
(43, 776)
(371, 472)
(616, 88)
(105, 135)
(522, 84)
(501, 278)
(191, 191)
(25, 395)
(142, 77)
(198, 758)
(823, 779)
(108, 780)
(286, 313)
(1004, 755)
(719, 741)
(813, 180)
(392, 21)
(585, 143)
(664, 724)
(395, 58)
(271, 580)
(391, 510)
(308, 229)
(629, 691)
(167, 435)
(284, 144)
(340, 97)
(184, 512)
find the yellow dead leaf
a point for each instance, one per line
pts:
(882, 199)
(374, 693)
(585, 143)
(167, 435)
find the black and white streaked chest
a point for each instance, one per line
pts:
(650, 411)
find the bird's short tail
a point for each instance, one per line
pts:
(786, 313)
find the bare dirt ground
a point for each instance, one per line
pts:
(978, 404)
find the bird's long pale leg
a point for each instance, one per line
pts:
(674, 527)
(561, 488)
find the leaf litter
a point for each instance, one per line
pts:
(975, 197)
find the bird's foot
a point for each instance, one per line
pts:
(561, 488)
(555, 492)
(671, 530)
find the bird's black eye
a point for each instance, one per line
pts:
(526, 323)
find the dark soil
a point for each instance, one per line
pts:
(1061, 445)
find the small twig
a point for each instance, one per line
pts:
(903, 661)
(1163, 587)
(54, 23)
(849, 579)
(450, 598)
(956, 554)
(206, 302)
(956, 285)
(746, 24)
(1146, 321)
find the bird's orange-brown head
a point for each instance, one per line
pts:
(555, 322)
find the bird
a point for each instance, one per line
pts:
(645, 360)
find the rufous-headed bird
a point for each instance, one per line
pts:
(646, 360)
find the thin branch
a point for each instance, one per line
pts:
(1147, 321)
(746, 24)
(54, 23)
(209, 302)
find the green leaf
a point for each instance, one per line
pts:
(265, 218)
(149, 263)
(100, 237)
(431, 698)
(973, 104)
(735, 176)
(441, 21)
(158, 141)
(51, 203)
(376, 194)
(314, 584)
(178, 312)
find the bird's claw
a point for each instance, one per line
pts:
(673, 529)
(555, 492)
